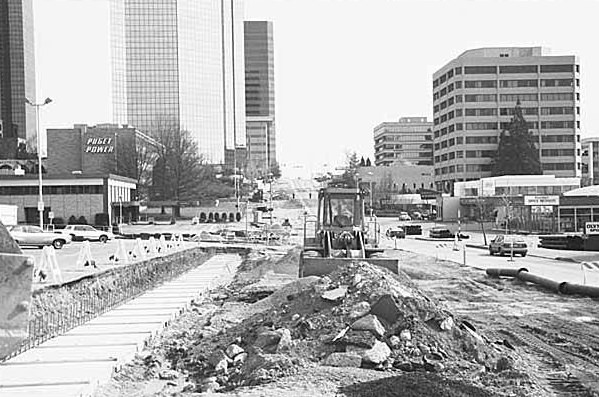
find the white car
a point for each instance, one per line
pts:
(26, 235)
(86, 232)
(404, 216)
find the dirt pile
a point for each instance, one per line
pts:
(359, 316)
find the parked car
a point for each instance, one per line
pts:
(27, 235)
(416, 215)
(504, 244)
(404, 216)
(440, 232)
(396, 232)
(86, 232)
(412, 230)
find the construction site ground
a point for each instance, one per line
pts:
(547, 344)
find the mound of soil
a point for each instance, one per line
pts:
(359, 316)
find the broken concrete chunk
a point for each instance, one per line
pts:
(369, 323)
(268, 340)
(405, 335)
(233, 350)
(359, 338)
(335, 295)
(356, 279)
(378, 354)
(359, 310)
(340, 334)
(447, 324)
(387, 309)
(240, 358)
(168, 374)
(394, 341)
(285, 341)
(343, 360)
(216, 357)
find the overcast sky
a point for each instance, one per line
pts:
(341, 66)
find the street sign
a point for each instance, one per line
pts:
(40, 205)
(541, 200)
(51, 214)
(591, 228)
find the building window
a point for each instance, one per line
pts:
(459, 140)
(557, 152)
(516, 97)
(480, 83)
(525, 111)
(480, 69)
(557, 96)
(459, 154)
(481, 126)
(557, 138)
(557, 110)
(458, 84)
(556, 68)
(481, 112)
(557, 83)
(435, 83)
(450, 101)
(518, 69)
(458, 112)
(481, 98)
(458, 126)
(458, 70)
(458, 98)
(518, 83)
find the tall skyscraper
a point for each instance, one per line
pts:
(17, 75)
(409, 140)
(474, 97)
(260, 97)
(179, 64)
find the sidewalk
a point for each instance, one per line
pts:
(74, 364)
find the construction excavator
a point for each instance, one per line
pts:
(341, 234)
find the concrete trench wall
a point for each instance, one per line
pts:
(59, 308)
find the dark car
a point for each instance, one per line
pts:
(396, 232)
(504, 244)
(413, 230)
(441, 232)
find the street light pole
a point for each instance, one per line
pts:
(40, 203)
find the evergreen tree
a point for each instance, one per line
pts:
(362, 162)
(517, 153)
(368, 163)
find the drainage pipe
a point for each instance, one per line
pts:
(559, 287)
(542, 281)
(495, 272)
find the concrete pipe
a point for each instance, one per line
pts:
(495, 272)
(231, 217)
(542, 281)
(223, 217)
(238, 216)
(577, 289)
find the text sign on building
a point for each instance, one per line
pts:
(591, 228)
(541, 200)
(99, 145)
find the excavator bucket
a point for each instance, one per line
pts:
(319, 266)
(16, 277)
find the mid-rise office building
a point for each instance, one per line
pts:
(259, 97)
(179, 64)
(474, 97)
(409, 140)
(17, 75)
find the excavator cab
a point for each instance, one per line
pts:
(341, 234)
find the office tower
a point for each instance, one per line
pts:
(409, 140)
(17, 75)
(260, 97)
(474, 97)
(179, 64)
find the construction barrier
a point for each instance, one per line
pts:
(85, 256)
(47, 268)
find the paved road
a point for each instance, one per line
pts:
(541, 265)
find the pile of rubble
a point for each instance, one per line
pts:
(359, 316)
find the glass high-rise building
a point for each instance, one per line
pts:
(17, 75)
(260, 97)
(179, 64)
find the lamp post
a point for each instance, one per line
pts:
(40, 202)
(370, 174)
(120, 210)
